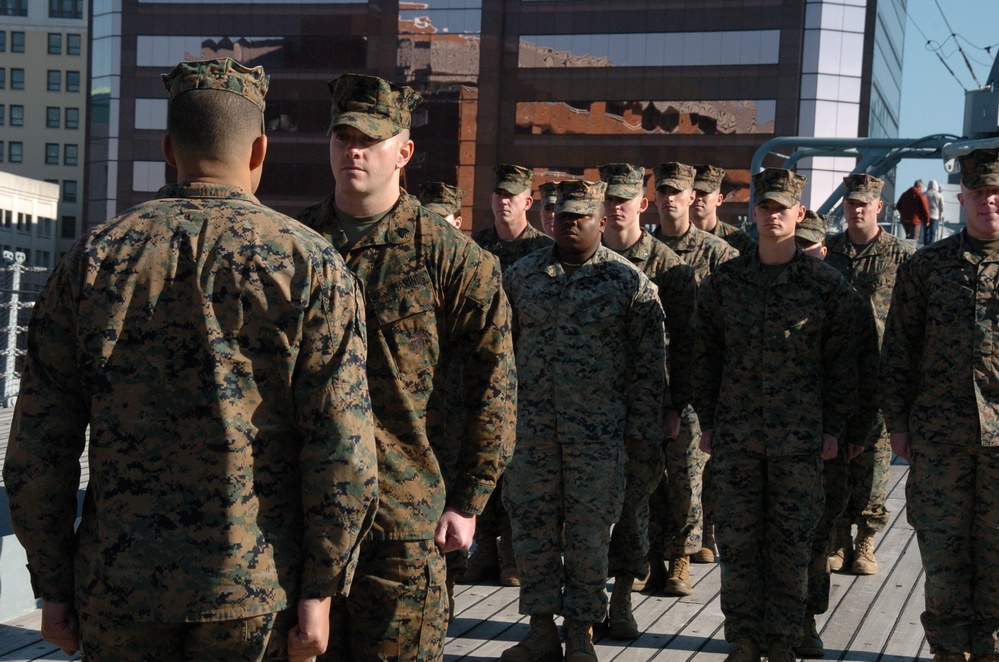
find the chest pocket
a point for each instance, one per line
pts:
(601, 314)
(405, 313)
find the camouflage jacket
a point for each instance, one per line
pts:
(736, 238)
(432, 297)
(678, 295)
(508, 252)
(216, 350)
(701, 250)
(776, 367)
(863, 427)
(940, 356)
(872, 269)
(590, 350)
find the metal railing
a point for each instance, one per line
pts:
(19, 287)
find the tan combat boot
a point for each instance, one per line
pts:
(540, 645)
(657, 575)
(579, 642)
(483, 564)
(678, 582)
(744, 650)
(779, 651)
(864, 562)
(842, 555)
(622, 620)
(707, 552)
(811, 644)
(508, 575)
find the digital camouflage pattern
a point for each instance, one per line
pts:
(578, 196)
(512, 178)
(675, 175)
(862, 187)
(938, 334)
(811, 228)
(432, 297)
(623, 180)
(440, 198)
(708, 178)
(548, 193)
(980, 168)
(374, 106)
(216, 350)
(940, 381)
(508, 252)
(224, 74)
(778, 184)
(591, 359)
(700, 250)
(676, 507)
(776, 369)
(630, 541)
(734, 237)
(871, 269)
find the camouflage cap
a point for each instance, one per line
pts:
(812, 228)
(440, 198)
(549, 193)
(862, 187)
(980, 168)
(708, 178)
(675, 175)
(578, 196)
(222, 74)
(778, 184)
(512, 178)
(372, 105)
(623, 180)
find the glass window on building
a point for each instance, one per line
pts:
(73, 42)
(3, 41)
(13, 7)
(72, 81)
(1, 151)
(3, 78)
(55, 80)
(17, 79)
(45, 226)
(72, 118)
(69, 190)
(16, 42)
(51, 153)
(3, 114)
(65, 8)
(16, 115)
(70, 154)
(67, 228)
(55, 43)
(52, 117)
(15, 152)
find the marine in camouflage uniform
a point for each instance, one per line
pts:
(431, 297)
(548, 196)
(629, 547)
(940, 379)
(215, 349)
(810, 236)
(703, 252)
(442, 199)
(510, 238)
(591, 359)
(769, 421)
(868, 257)
(704, 211)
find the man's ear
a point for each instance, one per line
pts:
(168, 154)
(258, 151)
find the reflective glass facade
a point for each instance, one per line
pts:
(561, 86)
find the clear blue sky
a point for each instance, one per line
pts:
(932, 98)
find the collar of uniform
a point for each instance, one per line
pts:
(640, 251)
(397, 227)
(554, 268)
(205, 190)
(756, 274)
(969, 254)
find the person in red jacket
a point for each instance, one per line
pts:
(913, 209)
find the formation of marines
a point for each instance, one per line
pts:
(295, 426)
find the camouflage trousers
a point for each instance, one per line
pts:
(836, 484)
(397, 607)
(676, 514)
(575, 489)
(263, 637)
(952, 501)
(493, 523)
(629, 544)
(869, 481)
(764, 534)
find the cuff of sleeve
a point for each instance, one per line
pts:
(52, 586)
(470, 497)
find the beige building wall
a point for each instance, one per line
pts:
(28, 209)
(43, 101)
